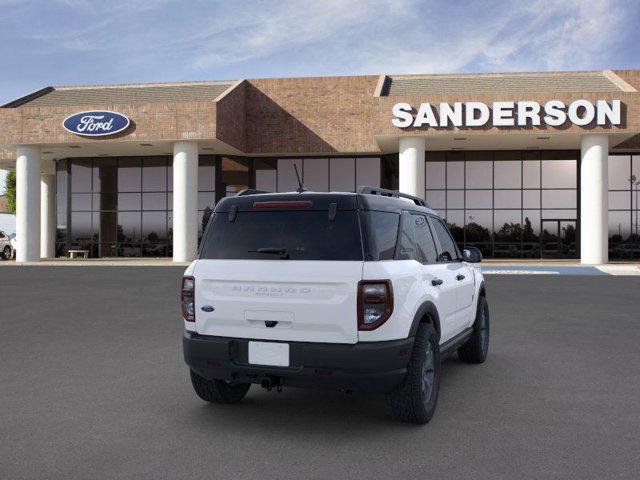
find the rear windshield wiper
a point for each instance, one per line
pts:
(284, 254)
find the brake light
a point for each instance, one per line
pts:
(375, 303)
(187, 298)
(283, 204)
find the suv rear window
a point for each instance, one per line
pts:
(292, 234)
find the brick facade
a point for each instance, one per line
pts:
(290, 116)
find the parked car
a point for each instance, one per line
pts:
(358, 291)
(7, 248)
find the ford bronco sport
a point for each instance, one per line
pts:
(358, 291)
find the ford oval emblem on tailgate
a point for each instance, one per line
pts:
(207, 308)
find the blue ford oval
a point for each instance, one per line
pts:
(96, 123)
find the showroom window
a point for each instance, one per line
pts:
(509, 204)
(624, 196)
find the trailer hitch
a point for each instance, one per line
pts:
(270, 382)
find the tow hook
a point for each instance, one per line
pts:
(268, 383)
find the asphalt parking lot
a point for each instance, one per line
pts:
(93, 386)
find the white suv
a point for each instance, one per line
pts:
(358, 291)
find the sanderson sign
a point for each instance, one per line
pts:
(507, 114)
(96, 123)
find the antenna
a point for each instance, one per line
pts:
(301, 186)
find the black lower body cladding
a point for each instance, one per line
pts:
(371, 367)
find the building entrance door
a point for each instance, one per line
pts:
(558, 238)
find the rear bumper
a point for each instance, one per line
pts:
(372, 367)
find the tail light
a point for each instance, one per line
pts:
(188, 298)
(375, 303)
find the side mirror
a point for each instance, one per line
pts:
(472, 255)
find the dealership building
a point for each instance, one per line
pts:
(521, 165)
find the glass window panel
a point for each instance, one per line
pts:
(620, 225)
(455, 222)
(455, 198)
(479, 198)
(129, 175)
(206, 173)
(559, 173)
(154, 174)
(479, 175)
(557, 214)
(368, 172)
(170, 177)
(531, 172)
(316, 174)
(154, 201)
(342, 174)
(559, 199)
(170, 200)
(81, 230)
(206, 199)
(129, 227)
(479, 226)
(507, 198)
(531, 198)
(81, 202)
(287, 181)
(455, 174)
(80, 175)
(266, 174)
(619, 172)
(620, 200)
(154, 227)
(531, 225)
(507, 174)
(507, 226)
(636, 166)
(435, 173)
(436, 198)
(129, 201)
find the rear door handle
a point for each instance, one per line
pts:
(436, 281)
(459, 277)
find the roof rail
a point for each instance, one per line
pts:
(392, 193)
(250, 191)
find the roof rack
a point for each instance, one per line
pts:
(250, 191)
(392, 193)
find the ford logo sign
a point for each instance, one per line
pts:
(96, 123)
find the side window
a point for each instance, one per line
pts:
(425, 246)
(406, 250)
(1, 235)
(448, 247)
(384, 233)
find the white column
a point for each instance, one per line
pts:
(28, 203)
(594, 200)
(48, 210)
(185, 201)
(412, 166)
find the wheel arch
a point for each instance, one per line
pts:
(427, 313)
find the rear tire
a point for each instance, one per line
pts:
(218, 391)
(476, 348)
(7, 253)
(415, 400)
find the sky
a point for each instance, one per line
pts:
(76, 42)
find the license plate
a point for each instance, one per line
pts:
(269, 353)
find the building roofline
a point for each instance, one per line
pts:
(28, 97)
